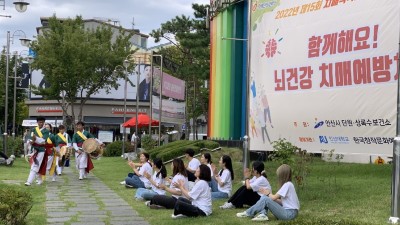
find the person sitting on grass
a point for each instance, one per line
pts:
(223, 179)
(192, 165)
(198, 200)
(5, 160)
(284, 205)
(163, 201)
(160, 173)
(136, 179)
(249, 193)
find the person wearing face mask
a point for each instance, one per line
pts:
(38, 159)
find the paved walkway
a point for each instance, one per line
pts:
(86, 202)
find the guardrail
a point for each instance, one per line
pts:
(202, 149)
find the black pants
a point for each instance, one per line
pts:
(185, 207)
(3, 155)
(244, 196)
(191, 176)
(162, 200)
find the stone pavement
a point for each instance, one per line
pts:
(86, 202)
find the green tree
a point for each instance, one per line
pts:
(190, 38)
(21, 93)
(78, 62)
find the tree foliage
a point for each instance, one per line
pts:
(190, 38)
(21, 111)
(77, 62)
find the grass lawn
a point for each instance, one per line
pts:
(332, 193)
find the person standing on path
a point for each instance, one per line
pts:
(61, 139)
(39, 158)
(83, 162)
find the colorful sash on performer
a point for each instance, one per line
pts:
(39, 132)
(89, 165)
(81, 135)
(62, 137)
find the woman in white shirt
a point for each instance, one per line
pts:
(249, 193)
(284, 205)
(136, 179)
(223, 179)
(163, 201)
(160, 173)
(198, 200)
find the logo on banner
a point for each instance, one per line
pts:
(323, 139)
(319, 124)
(334, 140)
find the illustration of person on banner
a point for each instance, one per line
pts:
(83, 161)
(63, 147)
(51, 153)
(39, 157)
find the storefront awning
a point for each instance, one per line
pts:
(33, 123)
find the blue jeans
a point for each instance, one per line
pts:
(146, 194)
(218, 195)
(213, 185)
(134, 181)
(265, 204)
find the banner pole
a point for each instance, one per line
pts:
(394, 219)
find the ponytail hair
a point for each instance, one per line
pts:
(259, 167)
(159, 164)
(228, 164)
(264, 174)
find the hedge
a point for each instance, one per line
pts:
(115, 148)
(177, 144)
(176, 152)
(14, 205)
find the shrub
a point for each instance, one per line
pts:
(173, 153)
(177, 144)
(14, 205)
(148, 143)
(284, 151)
(115, 148)
(14, 146)
(207, 144)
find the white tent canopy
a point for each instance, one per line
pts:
(33, 123)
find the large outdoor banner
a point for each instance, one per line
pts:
(324, 74)
(143, 70)
(173, 108)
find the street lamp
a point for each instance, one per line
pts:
(30, 60)
(24, 42)
(160, 104)
(125, 95)
(21, 6)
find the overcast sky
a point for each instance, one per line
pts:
(147, 14)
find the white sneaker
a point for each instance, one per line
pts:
(242, 214)
(53, 179)
(122, 182)
(39, 182)
(27, 184)
(260, 217)
(147, 203)
(80, 177)
(227, 205)
(179, 216)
